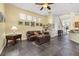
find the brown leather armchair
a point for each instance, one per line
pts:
(43, 38)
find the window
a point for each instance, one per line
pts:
(34, 19)
(22, 16)
(29, 18)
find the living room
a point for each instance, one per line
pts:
(25, 18)
(15, 20)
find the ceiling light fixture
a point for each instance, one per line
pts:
(45, 5)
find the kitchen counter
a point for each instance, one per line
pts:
(74, 36)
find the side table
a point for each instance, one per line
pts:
(13, 37)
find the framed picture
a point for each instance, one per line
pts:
(37, 24)
(1, 17)
(41, 24)
(27, 23)
(76, 24)
(32, 23)
(20, 23)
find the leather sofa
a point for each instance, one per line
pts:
(41, 39)
(30, 35)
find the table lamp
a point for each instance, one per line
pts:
(14, 29)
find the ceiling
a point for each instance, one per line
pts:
(56, 9)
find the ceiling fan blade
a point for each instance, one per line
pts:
(50, 3)
(39, 3)
(43, 3)
(48, 8)
(41, 8)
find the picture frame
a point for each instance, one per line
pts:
(1, 17)
(32, 23)
(77, 24)
(41, 24)
(37, 24)
(20, 23)
(27, 23)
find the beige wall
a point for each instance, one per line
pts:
(76, 19)
(50, 19)
(12, 18)
(2, 29)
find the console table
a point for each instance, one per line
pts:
(13, 37)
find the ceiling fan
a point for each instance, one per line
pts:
(44, 5)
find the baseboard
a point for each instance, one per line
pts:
(4, 44)
(2, 49)
(24, 38)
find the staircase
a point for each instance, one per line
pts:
(57, 25)
(61, 25)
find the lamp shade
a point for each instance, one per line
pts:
(13, 28)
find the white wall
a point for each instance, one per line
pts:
(2, 30)
(54, 26)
